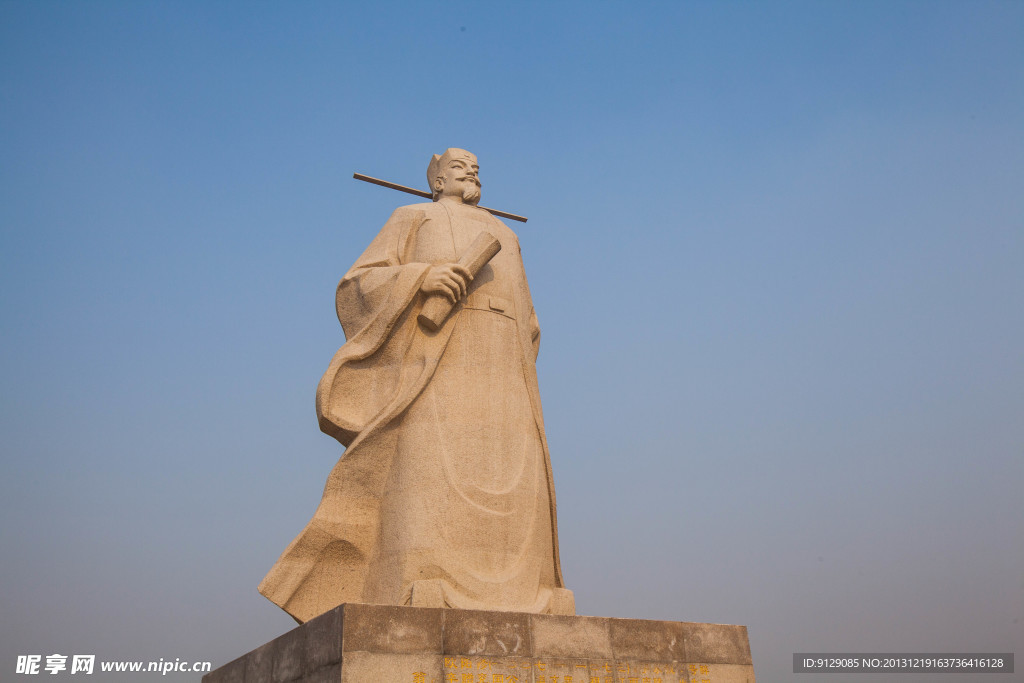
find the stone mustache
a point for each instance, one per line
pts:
(444, 495)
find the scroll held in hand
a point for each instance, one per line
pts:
(438, 306)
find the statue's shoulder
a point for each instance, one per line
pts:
(425, 209)
(410, 217)
(503, 228)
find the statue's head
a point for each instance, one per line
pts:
(455, 174)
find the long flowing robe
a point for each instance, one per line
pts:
(446, 480)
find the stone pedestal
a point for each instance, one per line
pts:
(384, 644)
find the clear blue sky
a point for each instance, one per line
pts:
(776, 249)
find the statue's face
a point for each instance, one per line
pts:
(461, 178)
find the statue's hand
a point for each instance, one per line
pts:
(449, 279)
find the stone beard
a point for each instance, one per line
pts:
(444, 496)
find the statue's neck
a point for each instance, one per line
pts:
(456, 201)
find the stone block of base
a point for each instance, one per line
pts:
(356, 643)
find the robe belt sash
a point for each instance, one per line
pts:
(495, 304)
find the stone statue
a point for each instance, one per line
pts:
(444, 495)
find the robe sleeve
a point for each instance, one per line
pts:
(373, 298)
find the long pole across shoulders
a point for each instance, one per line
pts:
(427, 195)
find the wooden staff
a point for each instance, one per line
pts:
(427, 195)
